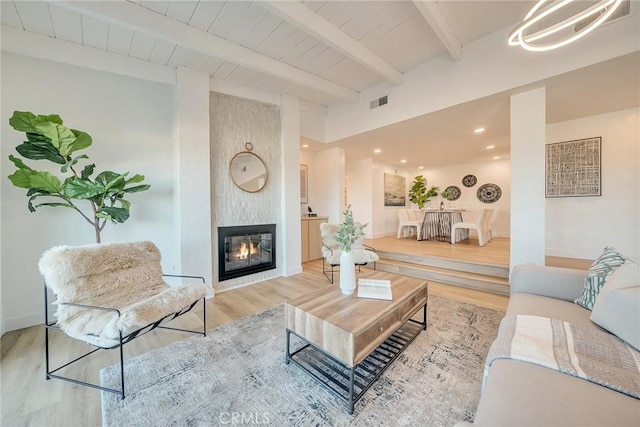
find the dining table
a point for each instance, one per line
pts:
(437, 223)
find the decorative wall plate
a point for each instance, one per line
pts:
(469, 180)
(489, 193)
(454, 192)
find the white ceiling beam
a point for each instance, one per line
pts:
(310, 22)
(140, 19)
(438, 23)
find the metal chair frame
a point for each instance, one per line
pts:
(121, 341)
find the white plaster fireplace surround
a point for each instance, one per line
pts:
(235, 121)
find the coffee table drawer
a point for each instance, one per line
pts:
(409, 307)
(376, 333)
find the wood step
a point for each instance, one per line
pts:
(449, 264)
(481, 282)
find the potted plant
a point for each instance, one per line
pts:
(48, 139)
(347, 234)
(419, 193)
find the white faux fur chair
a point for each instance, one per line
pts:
(109, 294)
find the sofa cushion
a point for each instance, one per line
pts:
(522, 394)
(599, 272)
(617, 308)
(536, 305)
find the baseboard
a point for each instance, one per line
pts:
(23, 322)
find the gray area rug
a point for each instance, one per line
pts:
(237, 375)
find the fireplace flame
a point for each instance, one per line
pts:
(243, 253)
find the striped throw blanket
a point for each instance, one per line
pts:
(577, 350)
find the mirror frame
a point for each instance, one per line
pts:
(249, 147)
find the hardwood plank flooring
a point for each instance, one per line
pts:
(495, 252)
(27, 399)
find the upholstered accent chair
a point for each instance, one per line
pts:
(362, 254)
(109, 294)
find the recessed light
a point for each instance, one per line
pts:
(490, 147)
(305, 145)
(496, 157)
(377, 150)
(479, 130)
(420, 167)
(403, 161)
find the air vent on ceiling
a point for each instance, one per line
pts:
(379, 102)
(623, 10)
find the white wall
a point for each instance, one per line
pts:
(309, 158)
(132, 122)
(497, 172)
(580, 227)
(330, 183)
(360, 193)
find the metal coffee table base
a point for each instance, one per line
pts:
(350, 383)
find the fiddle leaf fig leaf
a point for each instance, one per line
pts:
(19, 163)
(21, 178)
(61, 137)
(116, 215)
(87, 171)
(39, 150)
(22, 121)
(82, 189)
(135, 178)
(137, 189)
(83, 140)
(46, 182)
(53, 118)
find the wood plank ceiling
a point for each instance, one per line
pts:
(322, 51)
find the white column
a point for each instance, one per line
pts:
(289, 233)
(194, 174)
(527, 178)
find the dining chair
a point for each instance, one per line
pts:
(478, 226)
(407, 221)
(488, 232)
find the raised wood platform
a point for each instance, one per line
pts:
(464, 264)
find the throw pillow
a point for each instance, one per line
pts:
(617, 308)
(598, 273)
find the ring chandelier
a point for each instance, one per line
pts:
(543, 37)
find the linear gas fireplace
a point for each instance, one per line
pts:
(246, 249)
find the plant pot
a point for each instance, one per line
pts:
(347, 273)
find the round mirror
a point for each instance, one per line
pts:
(248, 171)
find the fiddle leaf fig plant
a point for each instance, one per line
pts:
(48, 139)
(419, 193)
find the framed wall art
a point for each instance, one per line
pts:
(395, 190)
(304, 184)
(573, 168)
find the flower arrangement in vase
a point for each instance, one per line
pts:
(347, 234)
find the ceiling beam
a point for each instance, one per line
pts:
(438, 23)
(140, 19)
(310, 22)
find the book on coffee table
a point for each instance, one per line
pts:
(374, 288)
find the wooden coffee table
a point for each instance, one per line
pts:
(347, 342)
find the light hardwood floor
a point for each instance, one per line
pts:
(27, 399)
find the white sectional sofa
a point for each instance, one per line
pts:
(520, 393)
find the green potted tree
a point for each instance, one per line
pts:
(48, 139)
(419, 193)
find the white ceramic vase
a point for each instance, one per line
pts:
(347, 273)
